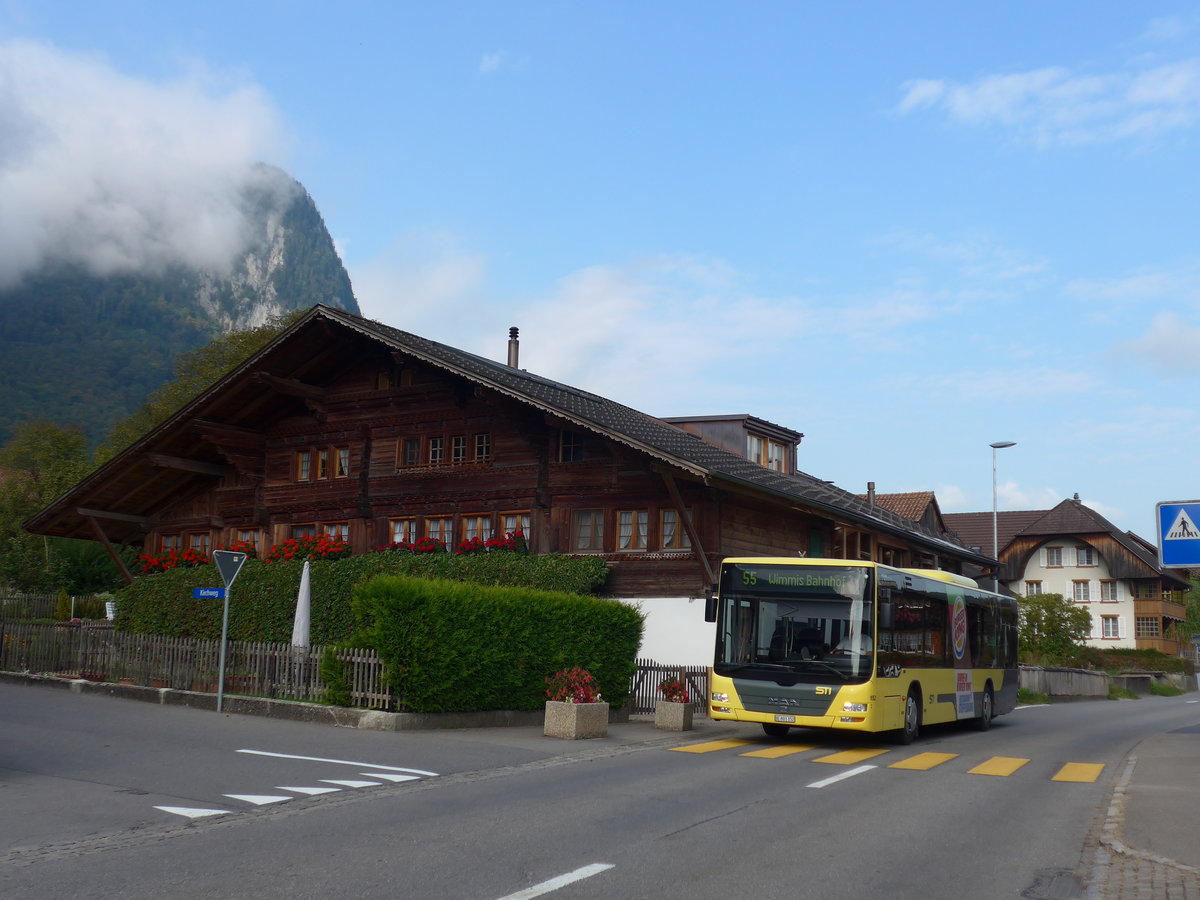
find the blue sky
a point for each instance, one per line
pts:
(906, 230)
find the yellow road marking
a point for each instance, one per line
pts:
(710, 746)
(1085, 773)
(849, 757)
(777, 752)
(999, 765)
(923, 761)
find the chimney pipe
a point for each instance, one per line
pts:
(514, 347)
(871, 492)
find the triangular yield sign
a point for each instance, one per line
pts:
(229, 563)
(1183, 529)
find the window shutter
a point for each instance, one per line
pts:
(1042, 556)
(1097, 628)
(1121, 627)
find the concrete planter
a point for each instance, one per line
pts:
(670, 716)
(573, 721)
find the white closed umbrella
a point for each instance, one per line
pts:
(303, 610)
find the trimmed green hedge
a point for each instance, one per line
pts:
(453, 647)
(263, 604)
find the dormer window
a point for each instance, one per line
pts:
(767, 453)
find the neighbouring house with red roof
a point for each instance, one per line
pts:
(347, 427)
(1074, 551)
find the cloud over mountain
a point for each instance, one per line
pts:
(121, 174)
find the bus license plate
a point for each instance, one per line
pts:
(788, 719)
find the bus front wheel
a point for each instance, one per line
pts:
(912, 720)
(775, 731)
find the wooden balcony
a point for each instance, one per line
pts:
(1160, 608)
(1161, 644)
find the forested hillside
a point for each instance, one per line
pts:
(81, 350)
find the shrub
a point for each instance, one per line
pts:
(263, 604)
(454, 647)
(673, 690)
(573, 685)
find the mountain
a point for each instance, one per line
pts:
(85, 349)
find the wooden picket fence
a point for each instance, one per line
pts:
(253, 668)
(644, 693)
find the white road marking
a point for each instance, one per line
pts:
(561, 881)
(849, 773)
(307, 790)
(193, 813)
(390, 776)
(354, 784)
(341, 762)
(258, 799)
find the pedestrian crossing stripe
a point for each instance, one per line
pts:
(922, 762)
(710, 746)
(780, 751)
(1001, 766)
(1084, 773)
(850, 757)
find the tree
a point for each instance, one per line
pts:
(1052, 627)
(38, 463)
(194, 372)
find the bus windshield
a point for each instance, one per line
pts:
(813, 622)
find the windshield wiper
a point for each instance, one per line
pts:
(776, 666)
(824, 665)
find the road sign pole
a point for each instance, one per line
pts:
(229, 563)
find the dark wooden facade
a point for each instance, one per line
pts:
(347, 427)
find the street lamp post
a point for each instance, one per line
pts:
(998, 445)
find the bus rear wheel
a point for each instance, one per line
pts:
(987, 708)
(775, 731)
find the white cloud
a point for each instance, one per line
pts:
(116, 173)
(491, 62)
(1040, 382)
(1055, 106)
(1168, 345)
(422, 282)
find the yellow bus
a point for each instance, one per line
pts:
(858, 646)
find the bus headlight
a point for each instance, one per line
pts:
(719, 697)
(854, 707)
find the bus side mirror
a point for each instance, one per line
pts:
(710, 604)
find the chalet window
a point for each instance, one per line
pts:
(303, 465)
(776, 456)
(437, 452)
(1147, 627)
(410, 452)
(483, 447)
(1111, 627)
(404, 531)
(632, 528)
(1054, 556)
(1108, 592)
(1085, 556)
(1145, 590)
(476, 527)
(674, 537)
(322, 463)
(1033, 588)
(570, 446)
(587, 532)
(458, 449)
(343, 462)
(1080, 591)
(516, 523)
(198, 541)
(299, 532)
(337, 530)
(441, 529)
(251, 536)
(172, 542)
(755, 449)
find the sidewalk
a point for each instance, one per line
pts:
(1148, 843)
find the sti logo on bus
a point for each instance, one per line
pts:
(958, 627)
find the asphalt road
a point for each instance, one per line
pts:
(102, 797)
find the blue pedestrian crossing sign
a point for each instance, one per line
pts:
(1178, 534)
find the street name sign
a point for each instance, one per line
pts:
(208, 593)
(1178, 524)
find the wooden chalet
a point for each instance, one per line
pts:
(349, 427)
